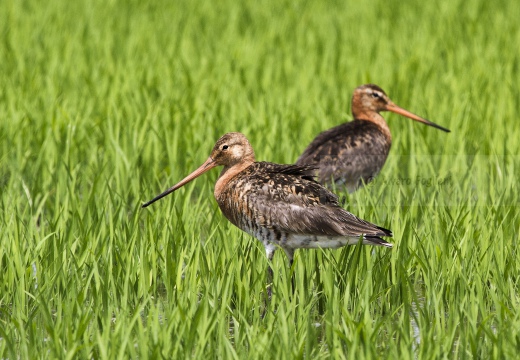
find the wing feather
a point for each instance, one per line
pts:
(286, 199)
(348, 153)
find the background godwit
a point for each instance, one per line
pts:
(353, 153)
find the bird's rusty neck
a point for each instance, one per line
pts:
(365, 107)
(228, 173)
(375, 118)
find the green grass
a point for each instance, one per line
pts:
(105, 104)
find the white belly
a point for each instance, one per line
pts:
(313, 242)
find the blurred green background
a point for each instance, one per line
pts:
(104, 104)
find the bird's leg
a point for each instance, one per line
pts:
(269, 250)
(293, 283)
(270, 278)
(267, 299)
(290, 256)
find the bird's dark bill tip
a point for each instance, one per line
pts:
(443, 129)
(432, 124)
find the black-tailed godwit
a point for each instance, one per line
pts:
(353, 153)
(280, 205)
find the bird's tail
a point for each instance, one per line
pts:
(376, 240)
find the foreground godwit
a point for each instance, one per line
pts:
(353, 153)
(280, 205)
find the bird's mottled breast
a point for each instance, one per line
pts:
(348, 153)
(352, 138)
(251, 196)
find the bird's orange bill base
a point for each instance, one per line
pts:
(208, 165)
(398, 110)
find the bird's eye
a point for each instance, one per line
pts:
(375, 95)
(224, 147)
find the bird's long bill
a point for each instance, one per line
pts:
(208, 165)
(398, 110)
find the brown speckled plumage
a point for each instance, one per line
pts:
(281, 205)
(348, 154)
(353, 153)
